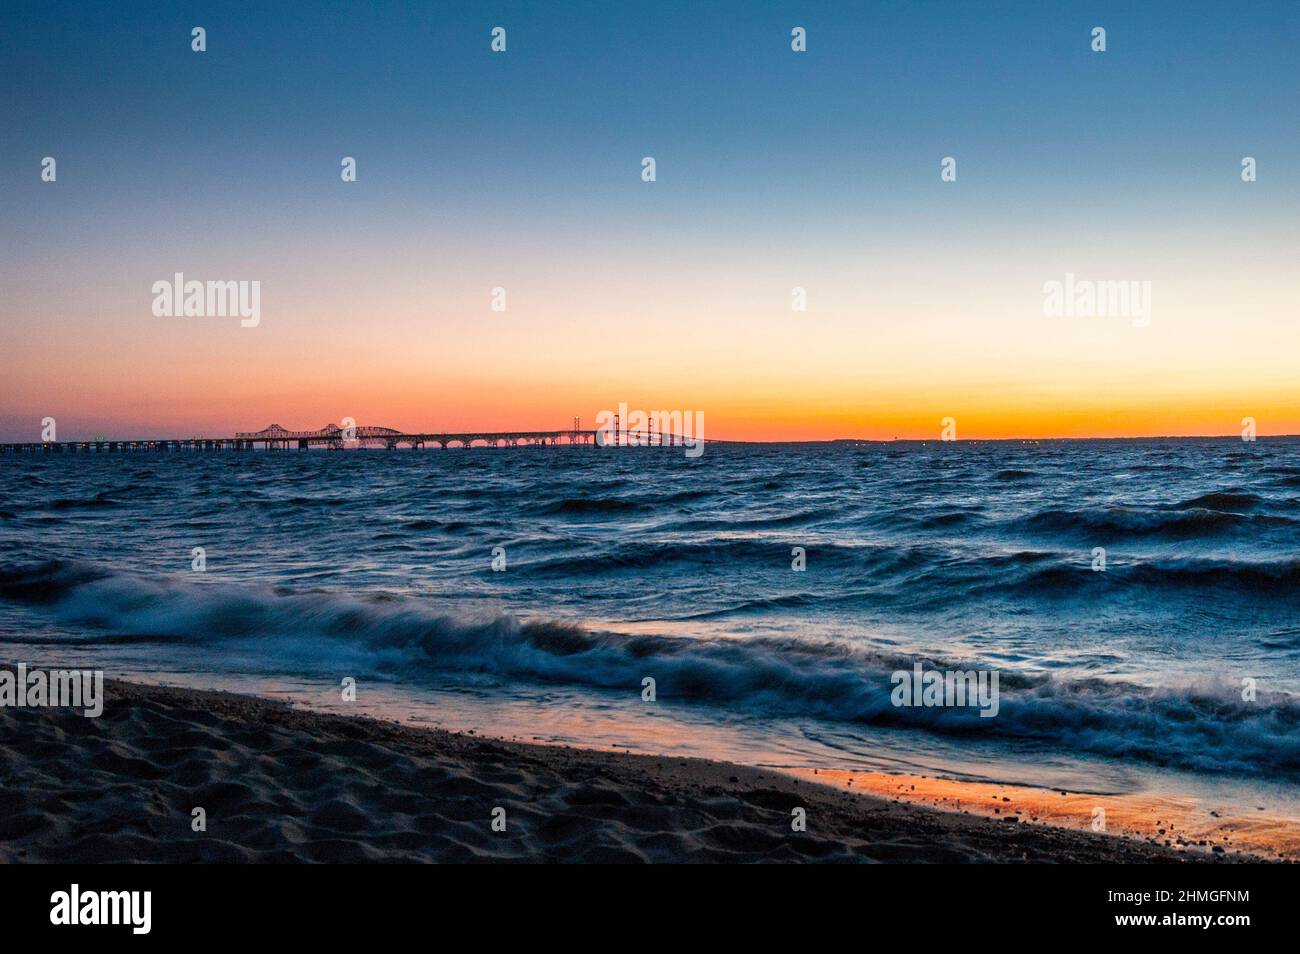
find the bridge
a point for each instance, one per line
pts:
(333, 437)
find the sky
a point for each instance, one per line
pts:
(775, 170)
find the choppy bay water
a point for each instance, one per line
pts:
(623, 564)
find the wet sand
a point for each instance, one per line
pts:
(1178, 822)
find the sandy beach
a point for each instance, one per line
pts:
(280, 784)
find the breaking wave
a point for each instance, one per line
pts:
(1204, 728)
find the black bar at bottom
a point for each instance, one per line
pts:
(296, 904)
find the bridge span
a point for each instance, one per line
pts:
(334, 437)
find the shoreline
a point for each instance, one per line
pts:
(279, 783)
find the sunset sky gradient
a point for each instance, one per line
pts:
(775, 170)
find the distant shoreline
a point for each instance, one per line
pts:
(1010, 440)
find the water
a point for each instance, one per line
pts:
(623, 564)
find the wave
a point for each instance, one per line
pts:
(82, 503)
(756, 556)
(760, 522)
(447, 526)
(955, 518)
(1274, 579)
(417, 525)
(1120, 523)
(590, 505)
(1206, 729)
(596, 505)
(1228, 501)
(1284, 639)
(47, 582)
(303, 502)
(685, 496)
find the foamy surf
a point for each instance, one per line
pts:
(1206, 727)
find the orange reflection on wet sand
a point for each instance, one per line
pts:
(1180, 822)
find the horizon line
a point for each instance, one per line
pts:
(484, 432)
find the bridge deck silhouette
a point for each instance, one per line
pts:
(334, 437)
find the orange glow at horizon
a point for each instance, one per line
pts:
(869, 360)
(195, 401)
